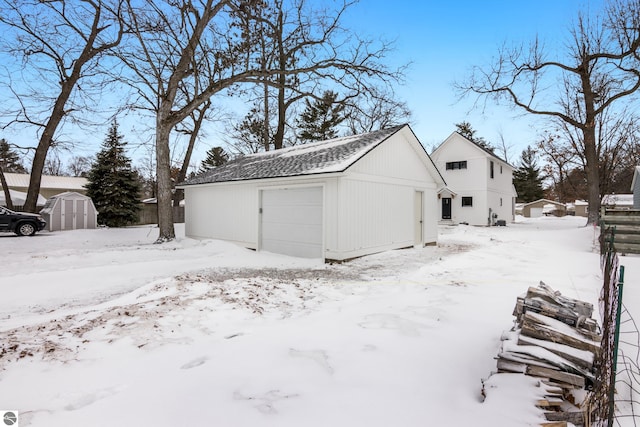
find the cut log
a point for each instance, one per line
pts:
(550, 402)
(576, 417)
(582, 358)
(545, 356)
(581, 307)
(505, 365)
(562, 377)
(545, 328)
(563, 314)
(554, 424)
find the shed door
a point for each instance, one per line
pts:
(291, 222)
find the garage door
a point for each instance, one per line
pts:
(535, 212)
(291, 221)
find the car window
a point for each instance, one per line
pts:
(3, 211)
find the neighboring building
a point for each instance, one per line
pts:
(617, 201)
(49, 185)
(335, 199)
(479, 184)
(18, 198)
(69, 211)
(543, 207)
(578, 208)
(635, 188)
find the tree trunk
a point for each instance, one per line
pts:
(592, 172)
(5, 187)
(163, 175)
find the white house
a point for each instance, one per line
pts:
(635, 188)
(480, 187)
(335, 199)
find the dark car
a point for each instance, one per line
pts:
(21, 223)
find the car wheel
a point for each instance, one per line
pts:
(26, 229)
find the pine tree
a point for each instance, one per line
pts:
(9, 159)
(216, 156)
(465, 129)
(319, 120)
(113, 185)
(527, 179)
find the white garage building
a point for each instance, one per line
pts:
(334, 200)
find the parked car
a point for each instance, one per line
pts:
(21, 223)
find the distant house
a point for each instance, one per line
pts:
(49, 186)
(635, 188)
(617, 201)
(334, 200)
(480, 187)
(543, 207)
(578, 208)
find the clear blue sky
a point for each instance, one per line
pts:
(443, 40)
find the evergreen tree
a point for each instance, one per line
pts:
(465, 129)
(9, 159)
(319, 120)
(527, 179)
(113, 185)
(216, 156)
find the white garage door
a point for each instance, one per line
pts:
(291, 221)
(535, 212)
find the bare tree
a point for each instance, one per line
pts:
(376, 109)
(57, 45)
(181, 43)
(598, 68)
(305, 50)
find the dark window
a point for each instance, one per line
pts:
(500, 169)
(491, 169)
(467, 201)
(457, 165)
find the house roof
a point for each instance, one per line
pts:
(18, 198)
(20, 180)
(334, 155)
(617, 199)
(545, 201)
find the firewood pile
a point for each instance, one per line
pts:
(554, 339)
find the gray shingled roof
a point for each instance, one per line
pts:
(334, 155)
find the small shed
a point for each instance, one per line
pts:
(334, 200)
(542, 207)
(69, 211)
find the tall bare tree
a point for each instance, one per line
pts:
(596, 71)
(56, 44)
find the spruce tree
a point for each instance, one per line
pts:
(9, 159)
(527, 179)
(465, 129)
(320, 119)
(216, 156)
(113, 185)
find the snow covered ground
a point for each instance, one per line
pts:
(104, 328)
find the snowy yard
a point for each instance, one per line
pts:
(102, 327)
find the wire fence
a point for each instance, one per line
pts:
(615, 396)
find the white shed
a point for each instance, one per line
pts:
(334, 200)
(69, 211)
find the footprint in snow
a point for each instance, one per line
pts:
(91, 398)
(195, 363)
(318, 356)
(393, 322)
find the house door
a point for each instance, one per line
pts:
(446, 208)
(419, 220)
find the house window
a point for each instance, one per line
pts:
(491, 169)
(500, 169)
(457, 165)
(467, 201)
(500, 201)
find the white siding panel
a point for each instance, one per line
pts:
(227, 212)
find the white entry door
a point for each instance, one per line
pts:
(291, 221)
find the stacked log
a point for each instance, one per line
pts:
(556, 340)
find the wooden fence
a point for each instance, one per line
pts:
(626, 224)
